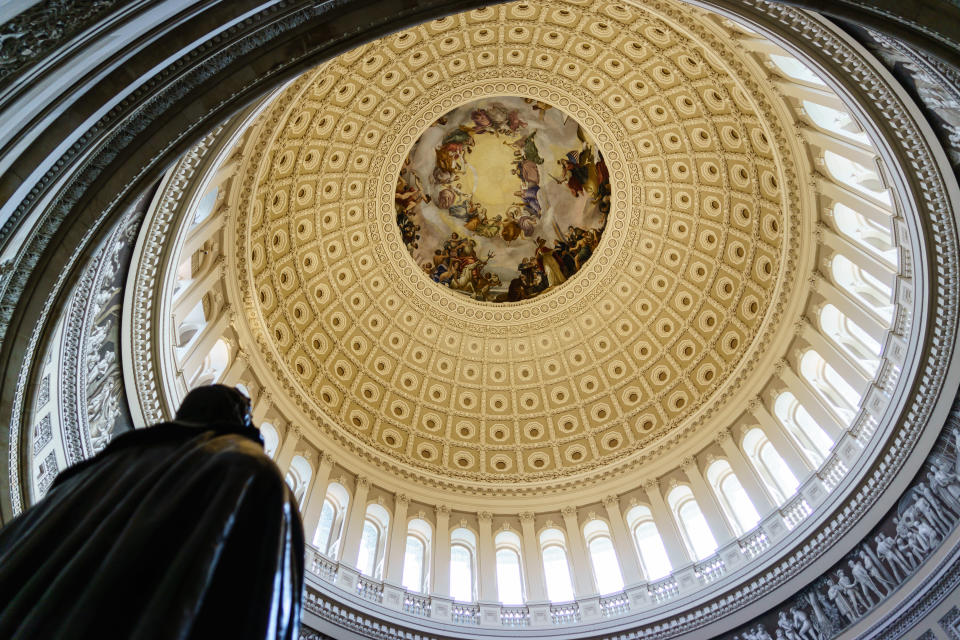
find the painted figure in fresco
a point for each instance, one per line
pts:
(496, 118)
(408, 196)
(525, 151)
(540, 107)
(543, 263)
(549, 264)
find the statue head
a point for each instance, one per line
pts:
(216, 403)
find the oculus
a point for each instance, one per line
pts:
(502, 199)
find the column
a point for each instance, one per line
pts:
(441, 552)
(207, 229)
(859, 257)
(623, 541)
(822, 97)
(318, 493)
(264, 400)
(719, 527)
(666, 525)
(867, 321)
(350, 548)
(849, 370)
(819, 411)
(583, 584)
(746, 474)
(532, 561)
(236, 369)
(398, 540)
(201, 348)
(290, 440)
(487, 559)
(844, 147)
(777, 434)
(198, 287)
(867, 207)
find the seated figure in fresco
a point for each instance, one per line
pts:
(185, 529)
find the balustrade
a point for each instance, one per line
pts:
(562, 614)
(754, 543)
(795, 511)
(465, 613)
(369, 589)
(514, 616)
(710, 571)
(614, 605)
(416, 605)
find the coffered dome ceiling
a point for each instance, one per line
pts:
(663, 325)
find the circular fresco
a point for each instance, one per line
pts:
(503, 199)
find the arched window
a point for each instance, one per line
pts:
(835, 121)
(843, 398)
(271, 439)
(873, 294)
(856, 176)
(653, 556)
(793, 68)
(298, 478)
(190, 328)
(373, 541)
(693, 526)
(183, 277)
(736, 504)
(871, 236)
(463, 565)
(205, 208)
(774, 472)
(509, 572)
(416, 557)
(556, 567)
(603, 557)
(332, 516)
(813, 441)
(850, 338)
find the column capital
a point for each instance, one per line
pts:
(688, 464)
(363, 482)
(401, 499)
(442, 510)
(814, 282)
(799, 324)
(296, 430)
(780, 365)
(609, 501)
(485, 516)
(526, 517)
(723, 435)
(753, 404)
(569, 511)
(325, 457)
(651, 484)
